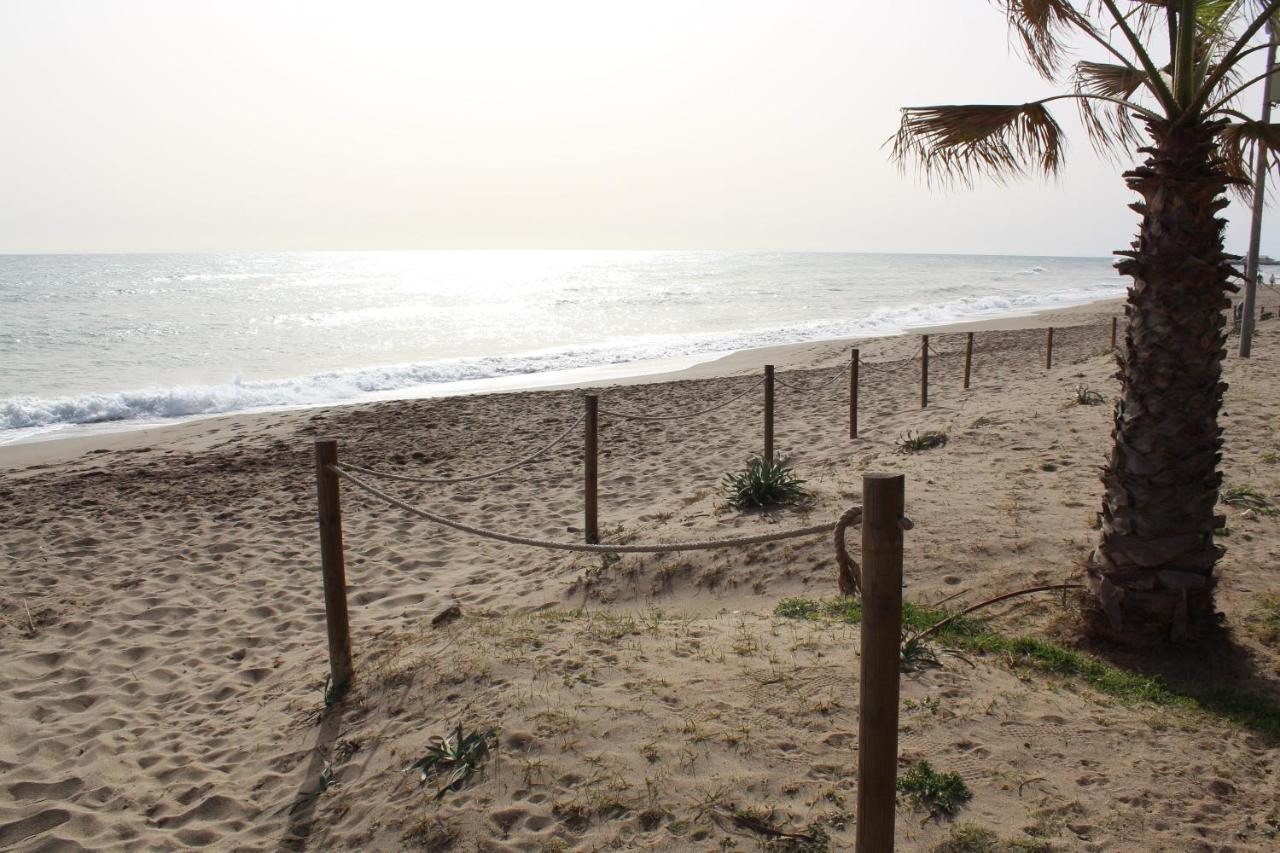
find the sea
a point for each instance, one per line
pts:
(109, 342)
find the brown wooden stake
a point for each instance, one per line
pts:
(591, 471)
(768, 412)
(336, 618)
(968, 360)
(1048, 349)
(883, 498)
(853, 393)
(1114, 323)
(924, 371)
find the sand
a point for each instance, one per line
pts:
(165, 659)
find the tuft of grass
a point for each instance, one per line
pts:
(455, 757)
(763, 484)
(1265, 619)
(972, 636)
(1271, 457)
(1083, 395)
(914, 442)
(982, 421)
(1247, 497)
(939, 793)
(797, 608)
(972, 838)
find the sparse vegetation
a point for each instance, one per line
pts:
(455, 757)
(1271, 457)
(972, 838)
(973, 636)
(982, 421)
(764, 483)
(1247, 497)
(1265, 619)
(939, 793)
(1083, 395)
(914, 442)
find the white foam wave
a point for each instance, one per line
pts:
(30, 414)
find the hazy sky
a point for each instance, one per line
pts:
(154, 125)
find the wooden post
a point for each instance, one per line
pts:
(333, 568)
(768, 412)
(591, 471)
(882, 525)
(853, 393)
(1048, 349)
(968, 360)
(924, 371)
(1114, 322)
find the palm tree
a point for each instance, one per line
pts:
(1171, 94)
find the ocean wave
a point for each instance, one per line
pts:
(412, 379)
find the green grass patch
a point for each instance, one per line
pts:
(973, 636)
(939, 793)
(1271, 457)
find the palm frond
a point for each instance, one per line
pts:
(1109, 124)
(1238, 146)
(1043, 27)
(1101, 78)
(959, 144)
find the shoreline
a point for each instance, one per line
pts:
(122, 436)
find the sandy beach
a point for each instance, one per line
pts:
(163, 627)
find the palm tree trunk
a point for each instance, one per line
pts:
(1152, 574)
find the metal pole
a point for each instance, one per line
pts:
(1255, 227)
(882, 524)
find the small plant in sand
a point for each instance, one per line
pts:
(940, 793)
(454, 758)
(916, 652)
(914, 442)
(1249, 498)
(1083, 395)
(764, 483)
(1271, 457)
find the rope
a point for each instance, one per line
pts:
(661, 548)
(805, 389)
(848, 575)
(407, 478)
(627, 416)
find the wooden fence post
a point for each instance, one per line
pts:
(591, 470)
(924, 371)
(1048, 349)
(883, 498)
(1113, 332)
(768, 412)
(968, 360)
(853, 393)
(337, 620)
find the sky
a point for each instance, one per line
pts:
(153, 125)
